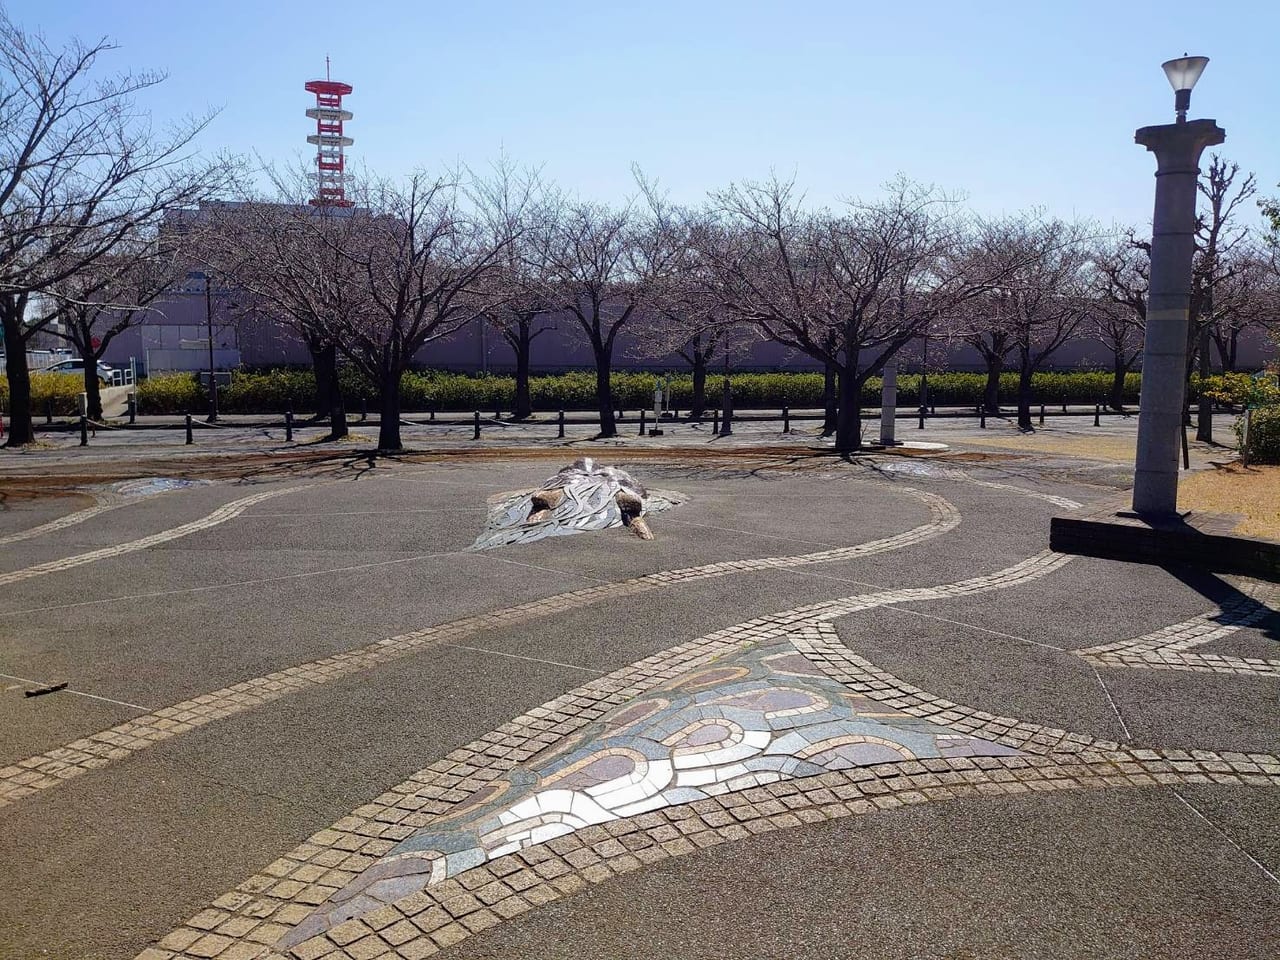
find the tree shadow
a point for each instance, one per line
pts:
(1236, 608)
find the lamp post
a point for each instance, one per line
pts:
(1177, 147)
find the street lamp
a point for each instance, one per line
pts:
(208, 316)
(1183, 72)
(1177, 147)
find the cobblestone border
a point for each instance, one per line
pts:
(224, 513)
(45, 770)
(261, 910)
(1166, 649)
(445, 914)
(60, 523)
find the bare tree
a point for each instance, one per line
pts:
(849, 290)
(81, 172)
(425, 268)
(602, 263)
(684, 316)
(1119, 272)
(514, 207)
(292, 264)
(1248, 295)
(1218, 235)
(107, 297)
(1041, 294)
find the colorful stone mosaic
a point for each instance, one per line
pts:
(755, 717)
(260, 918)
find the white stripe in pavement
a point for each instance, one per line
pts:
(70, 519)
(79, 693)
(516, 656)
(239, 583)
(1222, 833)
(224, 513)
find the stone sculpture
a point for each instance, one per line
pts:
(582, 496)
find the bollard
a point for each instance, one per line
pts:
(715, 423)
(48, 411)
(982, 416)
(190, 438)
(561, 422)
(1042, 414)
(288, 424)
(726, 419)
(643, 414)
(133, 408)
(923, 411)
(786, 419)
(477, 433)
(84, 430)
(364, 408)
(1097, 414)
(1064, 404)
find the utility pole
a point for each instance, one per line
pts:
(213, 382)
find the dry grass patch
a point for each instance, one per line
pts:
(1105, 447)
(1253, 493)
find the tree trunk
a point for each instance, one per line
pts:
(324, 367)
(389, 410)
(20, 429)
(329, 399)
(523, 348)
(92, 387)
(698, 402)
(849, 416)
(1118, 371)
(1204, 406)
(830, 406)
(991, 393)
(604, 393)
(1025, 370)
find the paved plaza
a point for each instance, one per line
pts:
(835, 708)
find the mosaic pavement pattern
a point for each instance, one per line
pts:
(760, 716)
(570, 740)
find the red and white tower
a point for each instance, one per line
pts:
(329, 140)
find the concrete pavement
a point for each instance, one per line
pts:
(228, 808)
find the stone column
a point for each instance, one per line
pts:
(888, 403)
(1177, 147)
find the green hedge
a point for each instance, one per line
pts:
(172, 393)
(1264, 434)
(63, 389)
(272, 391)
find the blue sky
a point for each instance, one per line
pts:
(1015, 104)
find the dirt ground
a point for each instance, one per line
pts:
(1254, 493)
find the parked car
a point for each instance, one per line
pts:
(76, 365)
